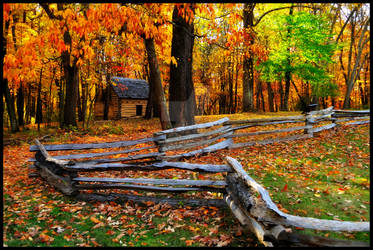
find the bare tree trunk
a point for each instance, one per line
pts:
(72, 85)
(181, 90)
(149, 104)
(230, 85)
(270, 97)
(8, 98)
(20, 104)
(10, 107)
(107, 97)
(156, 83)
(248, 64)
(357, 67)
(282, 96)
(287, 73)
(39, 105)
(79, 102)
(236, 83)
(61, 94)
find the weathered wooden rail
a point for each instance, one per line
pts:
(263, 217)
(211, 136)
(240, 191)
(74, 174)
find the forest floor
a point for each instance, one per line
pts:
(325, 177)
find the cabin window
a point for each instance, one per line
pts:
(138, 109)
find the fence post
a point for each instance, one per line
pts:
(309, 121)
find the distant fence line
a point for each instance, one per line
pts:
(188, 141)
(189, 136)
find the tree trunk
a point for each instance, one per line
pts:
(85, 96)
(79, 103)
(71, 73)
(10, 107)
(28, 105)
(356, 70)
(107, 97)
(288, 70)
(8, 98)
(149, 104)
(20, 105)
(259, 95)
(287, 90)
(282, 96)
(236, 84)
(61, 93)
(270, 97)
(71, 98)
(181, 90)
(39, 105)
(156, 83)
(230, 85)
(248, 64)
(365, 89)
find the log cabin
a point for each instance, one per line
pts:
(126, 98)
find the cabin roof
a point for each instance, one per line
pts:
(130, 88)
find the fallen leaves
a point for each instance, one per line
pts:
(285, 188)
(94, 220)
(301, 164)
(45, 238)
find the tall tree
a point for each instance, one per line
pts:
(71, 23)
(248, 62)
(8, 97)
(156, 82)
(70, 68)
(181, 91)
(352, 74)
(305, 54)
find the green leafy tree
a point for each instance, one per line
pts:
(303, 51)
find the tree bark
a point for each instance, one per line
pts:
(8, 98)
(20, 105)
(39, 105)
(10, 107)
(270, 97)
(248, 64)
(71, 75)
(106, 94)
(236, 84)
(288, 71)
(156, 83)
(356, 70)
(181, 90)
(61, 94)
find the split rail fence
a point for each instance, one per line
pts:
(80, 174)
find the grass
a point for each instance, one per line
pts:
(324, 177)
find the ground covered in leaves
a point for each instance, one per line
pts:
(323, 177)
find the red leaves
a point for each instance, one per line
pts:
(285, 188)
(45, 238)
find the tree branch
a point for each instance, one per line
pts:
(50, 14)
(293, 6)
(344, 26)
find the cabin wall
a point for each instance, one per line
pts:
(128, 107)
(118, 108)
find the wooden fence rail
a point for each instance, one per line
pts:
(68, 172)
(257, 212)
